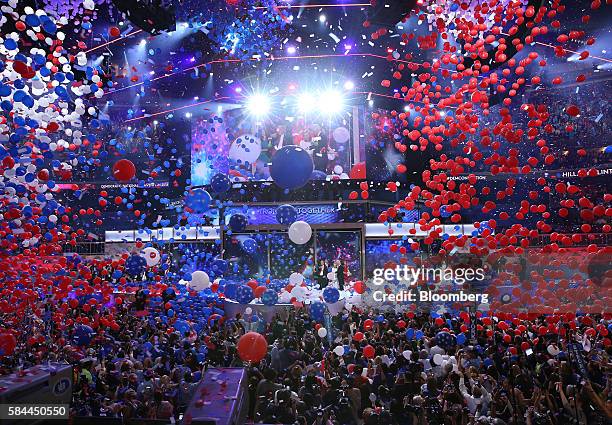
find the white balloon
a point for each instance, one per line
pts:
(296, 279)
(300, 232)
(248, 310)
(407, 354)
(199, 281)
(437, 359)
(552, 350)
(245, 148)
(338, 169)
(299, 292)
(341, 135)
(339, 350)
(331, 275)
(151, 255)
(322, 332)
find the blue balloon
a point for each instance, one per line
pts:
(269, 297)
(83, 335)
(446, 340)
(181, 326)
(198, 200)
(318, 175)
(135, 265)
(244, 294)
(238, 222)
(331, 295)
(419, 335)
(291, 167)
(286, 214)
(409, 333)
(317, 310)
(249, 245)
(461, 338)
(220, 183)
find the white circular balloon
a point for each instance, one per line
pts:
(245, 148)
(248, 310)
(299, 292)
(151, 255)
(338, 169)
(322, 332)
(199, 281)
(437, 359)
(300, 232)
(552, 350)
(407, 354)
(296, 279)
(331, 275)
(339, 350)
(341, 135)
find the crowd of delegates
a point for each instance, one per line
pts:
(144, 368)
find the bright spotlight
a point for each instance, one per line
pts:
(258, 105)
(349, 85)
(306, 103)
(322, 18)
(143, 42)
(331, 102)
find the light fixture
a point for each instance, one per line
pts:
(331, 102)
(306, 103)
(291, 50)
(258, 105)
(349, 85)
(322, 18)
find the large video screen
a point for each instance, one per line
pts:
(241, 146)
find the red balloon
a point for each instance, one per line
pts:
(259, 291)
(359, 287)
(368, 324)
(401, 324)
(358, 336)
(368, 351)
(124, 170)
(114, 32)
(7, 344)
(358, 171)
(252, 347)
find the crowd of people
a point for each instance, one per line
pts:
(387, 373)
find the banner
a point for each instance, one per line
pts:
(312, 213)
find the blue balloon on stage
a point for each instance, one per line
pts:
(83, 335)
(249, 246)
(219, 266)
(198, 200)
(220, 183)
(331, 295)
(317, 310)
(291, 167)
(244, 294)
(269, 297)
(286, 214)
(238, 222)
(230, 290)
(135, 265)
